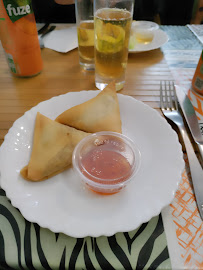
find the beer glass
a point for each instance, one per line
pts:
(85, 31)
(112, 26)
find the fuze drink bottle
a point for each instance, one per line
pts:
(197, 81)
(19, 37)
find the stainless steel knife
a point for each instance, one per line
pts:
(190, 117)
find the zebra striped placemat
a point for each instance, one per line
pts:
(25, 245)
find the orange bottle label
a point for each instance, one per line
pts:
(19, 37)
(197, 81)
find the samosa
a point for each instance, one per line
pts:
(53, 145)
(100, 113)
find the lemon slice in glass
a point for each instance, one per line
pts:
(110, 37)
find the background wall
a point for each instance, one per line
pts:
(166, 12)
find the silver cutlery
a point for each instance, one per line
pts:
(169, 107)
(40, 37)
(43, 29)
(191, 118)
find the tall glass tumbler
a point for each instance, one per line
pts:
(85, 31)
(112, 25)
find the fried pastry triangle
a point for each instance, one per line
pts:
(52, 148)
(100, 113)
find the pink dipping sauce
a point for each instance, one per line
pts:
(106, 161)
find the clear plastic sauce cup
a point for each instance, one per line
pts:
(106, 161)
(144, 31)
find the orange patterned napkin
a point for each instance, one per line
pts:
(188, 224)
(183, 212)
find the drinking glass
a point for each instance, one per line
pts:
(85, 31)
(112, 26)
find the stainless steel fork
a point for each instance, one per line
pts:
(169, 107)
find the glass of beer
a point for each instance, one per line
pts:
(112, 27)
(85, 31)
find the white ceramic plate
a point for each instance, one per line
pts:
(160, 38)
(63, 204)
